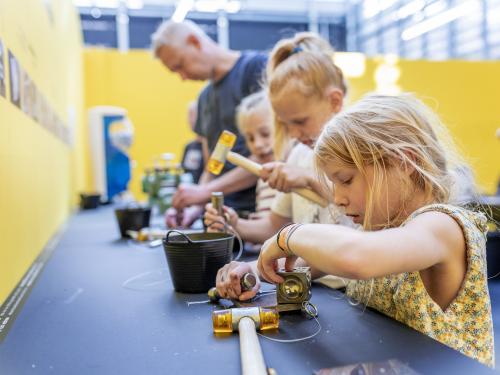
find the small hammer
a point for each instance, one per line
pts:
(222, 153)
(246, 320)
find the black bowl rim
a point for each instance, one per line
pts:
(227, 236)
(133, 209)
(90, 195)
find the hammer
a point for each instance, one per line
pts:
(246, 320)
(222, 153)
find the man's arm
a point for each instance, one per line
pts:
(236, 179)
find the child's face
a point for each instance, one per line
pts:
(257, 129)
(304, 117)
(351, 188)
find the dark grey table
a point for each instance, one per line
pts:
(80, 318)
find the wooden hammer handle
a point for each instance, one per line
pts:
(243, 162)
(252, 360)
(256, 168)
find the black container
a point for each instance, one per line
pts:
(493, 254)
(89, 201)
(132, 218)
(195, 258)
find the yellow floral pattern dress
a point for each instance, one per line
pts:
(466, 325)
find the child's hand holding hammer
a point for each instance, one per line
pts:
(283, 177)
(214, 222)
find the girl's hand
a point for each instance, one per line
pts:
(283, 177)
(228, 281)
(214, 222)
(267, 263)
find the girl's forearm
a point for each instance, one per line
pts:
(256, 231)
(259, 230)
(329, 249)
(315, 273)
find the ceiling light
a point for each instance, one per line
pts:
(352, 64)
(373, 7)
(207, 6)
(83, 3)
(106, 3)
(233, 6)
(410, 8)
(440, 20)
(214, 6)
(135, 4)
(182, 9)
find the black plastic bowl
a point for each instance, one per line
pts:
(134, 218)
(195, 258)
(89, 201)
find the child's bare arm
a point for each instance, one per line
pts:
(261, 229)
(429, 239)
(256, 230)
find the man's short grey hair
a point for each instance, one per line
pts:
(171, 33)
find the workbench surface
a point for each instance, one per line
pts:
(104, 306)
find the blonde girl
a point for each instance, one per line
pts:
(305, 89)
(254, 117)
(421, 260)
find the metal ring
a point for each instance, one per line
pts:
(309, 309)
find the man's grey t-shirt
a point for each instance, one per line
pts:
(217, 105)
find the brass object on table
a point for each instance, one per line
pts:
(226, 321)
(295, 290)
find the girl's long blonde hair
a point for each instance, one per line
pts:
(392, 131)
(306, 61)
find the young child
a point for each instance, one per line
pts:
(305, 89)
(255, 122)
(254, 119)
(421, 260)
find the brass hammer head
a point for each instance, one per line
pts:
(218, 158)
(226, 321)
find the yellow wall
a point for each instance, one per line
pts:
(156, 101)
(465, 94)
(39, 171)
(40, 174)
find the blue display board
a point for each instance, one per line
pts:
(117, 163)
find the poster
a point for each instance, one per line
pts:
(15, 81)
(31, 99)
(2, 70)
(37, 113)
(25, 84)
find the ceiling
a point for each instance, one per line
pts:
(323, 7)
